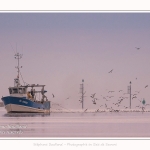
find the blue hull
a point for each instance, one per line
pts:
(22, 104)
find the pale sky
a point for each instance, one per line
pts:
(61, 49)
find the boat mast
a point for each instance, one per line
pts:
(16, 81)
(18, 56)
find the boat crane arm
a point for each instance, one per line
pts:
(32, 85)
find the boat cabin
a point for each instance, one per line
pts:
(18, 91)
(22, 91)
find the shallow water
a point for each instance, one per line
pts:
(79, 124)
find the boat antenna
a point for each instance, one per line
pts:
(18, 57)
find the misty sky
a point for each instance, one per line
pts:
(61, 49)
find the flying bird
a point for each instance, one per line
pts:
(137, 48)
(80, 101)
(67, 98)
(93, 95)
(97, 110)
(110, 71)
(147, 104)
(139, 100)
(134, 97)
(53, 95)
(125, 107)
(137, 106)
(110, 96)
(95, 98)
(111, 91)
(94, 102)
(118, 105)
(125, 97)
(84, 92)
(85, 110)
(125, 93)
(115, 103)
(105, 99)
(146, 86)
(143, 108)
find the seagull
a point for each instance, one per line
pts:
(137, 106)
(137, 48)
(85, 110)
(110, 71)
(143, 108)
(111, 91)
(93, 95)
(105, 99)
(110, 96)
(125, 97)
(147, 104)
(140, 101)
(125, 93)
(134, 97)
(120, 100)
(53, 95)
(120, 90)
(115, 103)
(84, 92)
(146, 86)
(97, 110)
(125, 107)
(94, 102)
(67, 98)
(118, 105)
(95, 99)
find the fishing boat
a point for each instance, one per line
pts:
(26, 98)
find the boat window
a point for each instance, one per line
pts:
(10, 91)
(15, 91)
(22, 90)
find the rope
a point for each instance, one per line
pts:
(22, 77)
(61, 106)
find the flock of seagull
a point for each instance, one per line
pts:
(118, 103)
(120, 100)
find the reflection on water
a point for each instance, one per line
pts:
(80, 124)
(26, 114)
